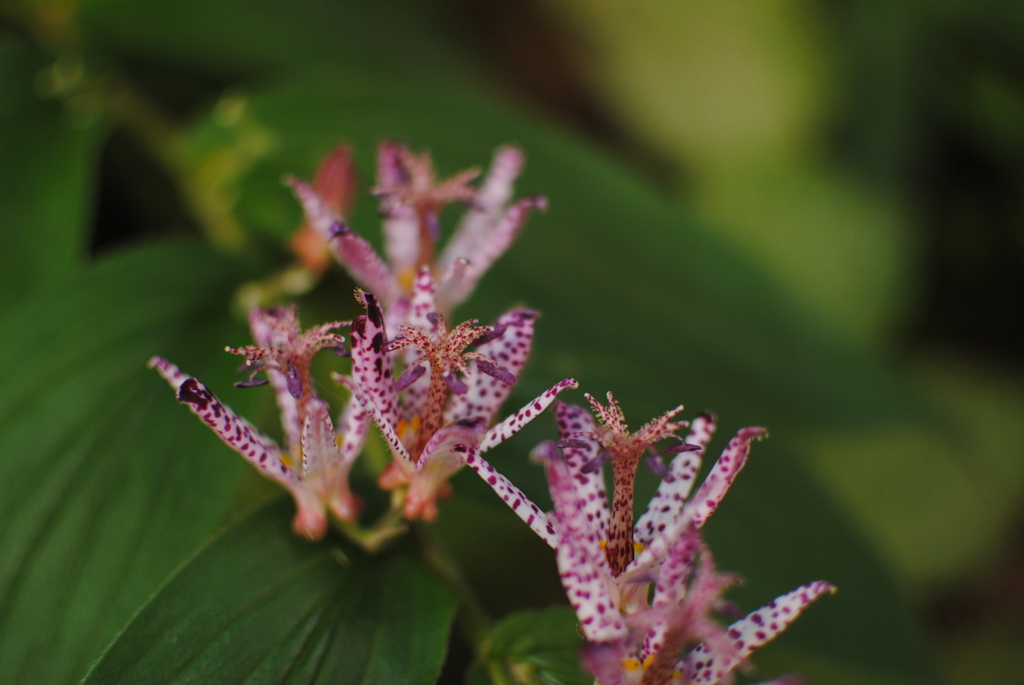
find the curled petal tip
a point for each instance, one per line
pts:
(154, 362)
(545, 451)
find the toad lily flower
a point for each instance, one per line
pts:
(411, 201)
(607, 564)
(312, 467)
(449, 395)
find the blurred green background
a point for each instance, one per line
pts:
(803, 215)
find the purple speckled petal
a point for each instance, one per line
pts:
(422, 304)
(452, 292)
(706, 667)
(353, 427)
(261, 324)
(510, 426)
(371, 364)
(576, 422)
(352, 251)
(670, 590)
(582, 565)
(697, 510)
(529, 512)
(401, 225)
(604, 662)
(722, 474)
(236, 432)
(668, 502)
(387, 429)
(494, 194)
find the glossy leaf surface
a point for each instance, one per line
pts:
(107, 484)
(259, 605)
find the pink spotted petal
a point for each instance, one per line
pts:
(494, 194)
(667, 503)
(451, 293)
(371, 364)
(529, 512)
(510, 426)
(353, 427)
(582, 565)
(401, 225)
(485, 393)
(236, 432)
(604, 662)
(750, 633)
(261, 324)
(696, 512)
(352, 251)
(387, 429)
(422, 304)
(575, 422)
(722, 474)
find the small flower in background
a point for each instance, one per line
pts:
(315, 463)
(608, 564)
(411, 201)
(335, 183)
(436, 415)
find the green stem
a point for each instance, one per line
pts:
(380, 534)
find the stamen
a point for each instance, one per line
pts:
(654, 463)
(455, 384)
(337, 228)
(342, 351)
(294, 382)
(681, 447)
(499, 330)
(572, 443)
(251, 383)
(409, 376)
(496, 371)
(595, 464)
(249, 367)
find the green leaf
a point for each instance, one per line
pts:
(259, 605)
(536, 648)
(246, 38)
(45, 179)
(108, 484)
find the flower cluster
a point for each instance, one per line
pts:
(646, 592)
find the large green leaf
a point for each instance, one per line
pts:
(638, 299)
(107, 484)
(260, 605)
(44, 180)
